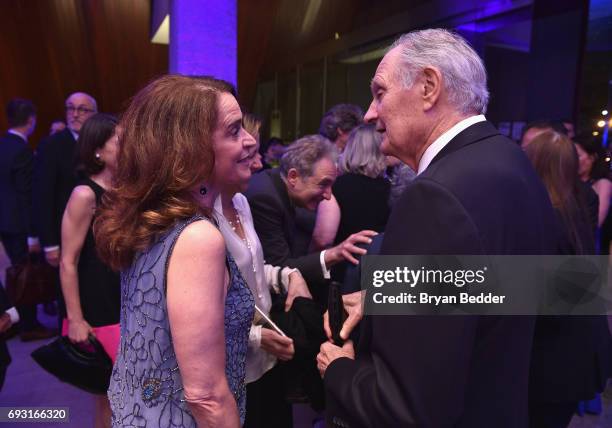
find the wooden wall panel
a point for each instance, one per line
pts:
(50, 48)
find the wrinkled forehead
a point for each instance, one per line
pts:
(388, 68)
(324, 168)
(80, 100)
(228, 108)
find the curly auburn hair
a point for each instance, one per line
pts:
(165, 151)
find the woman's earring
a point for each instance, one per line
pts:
(98, 156)
(203, 190)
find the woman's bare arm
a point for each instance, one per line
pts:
(75, 224)
(197, 283)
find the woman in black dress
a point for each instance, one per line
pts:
(571, 356)
(90, 289)
(362, 191)
(594, 169)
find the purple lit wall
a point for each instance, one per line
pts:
(203, 38)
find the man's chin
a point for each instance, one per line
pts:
(386, 148)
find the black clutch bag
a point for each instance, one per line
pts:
(89, 371)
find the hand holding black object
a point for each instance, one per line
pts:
(353, 306)
(337, 316)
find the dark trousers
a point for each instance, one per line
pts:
(2, 375)
(551, 415)
(266, 406)
(16, 246)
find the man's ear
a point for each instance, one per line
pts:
(432, 87)
(292, 176)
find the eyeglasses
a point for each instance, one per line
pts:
(79, 110)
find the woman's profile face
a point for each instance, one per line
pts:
(108, 152)
(233, 147)
(585, 162)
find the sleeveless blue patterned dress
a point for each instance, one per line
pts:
(146, 389)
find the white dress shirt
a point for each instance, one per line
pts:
(259, 276)
(444, 139)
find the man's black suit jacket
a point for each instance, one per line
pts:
(16, 161)
(480, 195)
(54, 180)
(274, 217)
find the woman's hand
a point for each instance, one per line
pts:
(279, 346)
(79, 331)
(297, 288)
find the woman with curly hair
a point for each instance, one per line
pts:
(185, 308)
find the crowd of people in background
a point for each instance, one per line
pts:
(226, 245)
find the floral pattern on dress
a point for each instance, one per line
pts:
(146, 389)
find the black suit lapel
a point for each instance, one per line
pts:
(281, 189)
(14, 137)
(470, 135)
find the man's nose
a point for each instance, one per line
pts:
(327, 193)
(248, 141)
(371, 115)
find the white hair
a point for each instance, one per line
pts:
(91, 99)
(463, 73)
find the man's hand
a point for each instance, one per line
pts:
(279, 346)
(297, 287)
(353, 305)
(5, 322)
(53, 257)
(347, 248)
(330, 352)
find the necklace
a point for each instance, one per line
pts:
(237, 227)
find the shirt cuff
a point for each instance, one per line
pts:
(326, 273)
(53, 248)
(13, 314)
(33, 240)
(255, 336)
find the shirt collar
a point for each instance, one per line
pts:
(19, 134)
(444, 139)
(75, 135)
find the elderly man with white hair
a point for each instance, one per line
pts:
(475, 193)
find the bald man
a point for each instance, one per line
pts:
(55, 175)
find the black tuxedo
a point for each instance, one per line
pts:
(274, 217)
(54, 180)
(479, 195)
(15, 185)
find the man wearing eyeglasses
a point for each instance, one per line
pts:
(55, 175)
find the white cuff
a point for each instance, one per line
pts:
(13, 315)
(33, 240)
(53, 248)
(326, 273)
(285, 277)
(255, 336)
